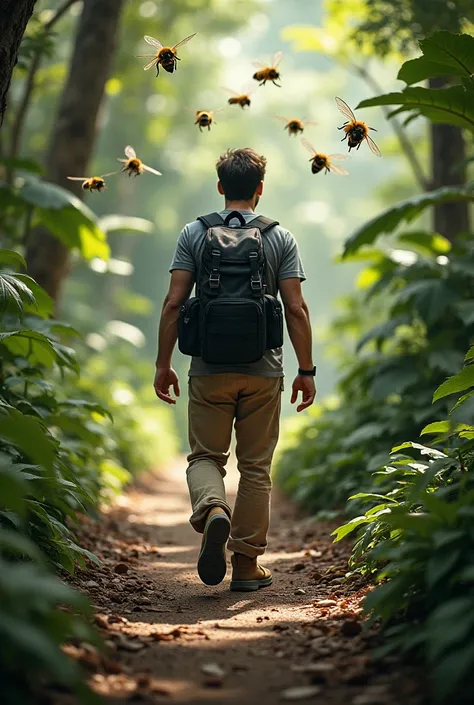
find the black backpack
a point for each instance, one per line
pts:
(231, 320)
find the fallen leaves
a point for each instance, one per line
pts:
(301, 692)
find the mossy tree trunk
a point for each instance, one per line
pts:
(75, 129)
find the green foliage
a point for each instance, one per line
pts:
(415, 539)
(444, 54)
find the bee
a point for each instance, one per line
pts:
(134, 165)
(92, 183)
(242, 99)
(294, 125)
(356, 131)
(268, 73)
(324, 161)
(166, 56)
(204, 118)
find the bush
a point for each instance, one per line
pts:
(416, 540)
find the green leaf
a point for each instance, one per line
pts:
(424, 450)
(452, 106)
(14, 294)
(44, 304)
(426, 243)
(12, 259)
(67, 217)
(118, 223)
(406, 211)
(444, 54)
(470, 353)
(26, 343)
(458, 383)
(29, 435)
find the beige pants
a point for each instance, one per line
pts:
(215, 402)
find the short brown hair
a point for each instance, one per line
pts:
(240, 172)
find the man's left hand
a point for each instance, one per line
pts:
(166, 377)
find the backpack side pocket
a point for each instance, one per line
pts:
(189, 338)
(274, 316)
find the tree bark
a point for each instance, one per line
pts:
(75, 129)
(448, 164)
(14, 16)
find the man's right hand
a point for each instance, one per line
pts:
(166, 377)
(305, 385)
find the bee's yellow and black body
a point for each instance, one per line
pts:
(95, 183)
(294, 127)
(242, 100)
(267, 74)
(168, 59)
(203, 119)
(320, 162)
(356, 132)
(133, 166)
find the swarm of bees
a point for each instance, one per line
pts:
(355, 131)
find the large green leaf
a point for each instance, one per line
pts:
(453, 106)
(26, 343)
(67, 217)
(458, 383)
(406, 211)
(118, 223)
(444, 54)
(29, 435)
(12, 259)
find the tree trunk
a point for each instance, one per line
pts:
(448, 163)
(14, 16)
(75, 129)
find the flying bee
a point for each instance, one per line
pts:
(268, 73)
(356, 131)
(324, 161)
(92, 183)
(204, 118)
(242, 99)
(166, 56)
(294, 125)
(134, 165)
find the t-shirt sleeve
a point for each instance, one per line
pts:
(291, 265)
(183, 256)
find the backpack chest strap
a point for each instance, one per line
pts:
(256, 282)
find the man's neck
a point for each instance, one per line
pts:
(240, 205)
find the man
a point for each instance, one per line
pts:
(247, 394)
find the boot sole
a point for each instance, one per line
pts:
(250, 585)
(211, 564)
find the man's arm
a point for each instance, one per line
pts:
(181, 285)
(299, 329)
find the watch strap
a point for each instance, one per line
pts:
(307, 373)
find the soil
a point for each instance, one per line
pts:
(169, 638)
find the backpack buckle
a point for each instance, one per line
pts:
(256, 284)
(214, 279)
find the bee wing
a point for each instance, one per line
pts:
(218, 110)
(229, 90)
(338, 157)
(309, 122)
(153, 42)
(111, 173)
(277, 57)
(283, 119)
(345, 109)
(151, 63)
(338, 169)
(259, 65)
(78, 178)
(373, 146)
(130, 152)
(152, 171)
(184, 41)
(308, 145)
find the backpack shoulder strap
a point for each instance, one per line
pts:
(211, 220)
(262, 223)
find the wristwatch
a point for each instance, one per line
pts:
(307, 373)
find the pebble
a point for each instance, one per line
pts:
(300, 692)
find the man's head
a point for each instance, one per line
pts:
(241, 173)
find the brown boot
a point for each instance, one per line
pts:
(248, 575)
(211, 564)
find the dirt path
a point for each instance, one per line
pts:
(171, 638)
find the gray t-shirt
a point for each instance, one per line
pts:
(283, 262)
